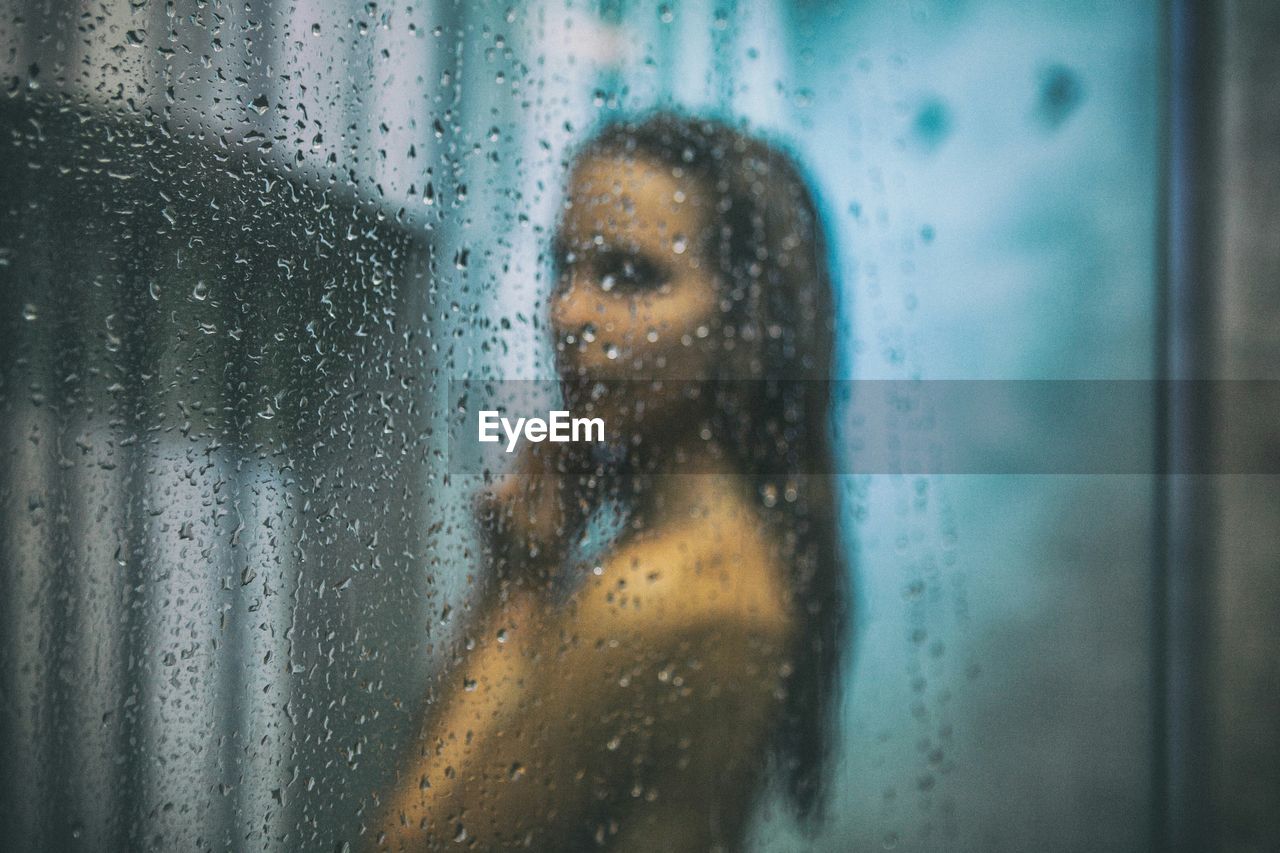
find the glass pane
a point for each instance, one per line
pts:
(254, 597)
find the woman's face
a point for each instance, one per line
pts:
(635, 297)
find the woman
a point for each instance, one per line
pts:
(627, 688)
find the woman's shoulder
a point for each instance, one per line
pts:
(707, 562)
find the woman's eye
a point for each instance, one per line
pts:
(629, 274)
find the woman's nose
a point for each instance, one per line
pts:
(568, 304)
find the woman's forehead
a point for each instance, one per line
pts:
(630, 199)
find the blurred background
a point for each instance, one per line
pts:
(245, 246)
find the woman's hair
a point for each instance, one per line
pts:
(770, 253)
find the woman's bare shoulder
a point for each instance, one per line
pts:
(708, 563)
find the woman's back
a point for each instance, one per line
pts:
(697, 610)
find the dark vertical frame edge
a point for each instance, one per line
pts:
(1182, 787)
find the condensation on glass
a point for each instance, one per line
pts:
(244, 247)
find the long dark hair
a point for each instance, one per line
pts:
(770, 251)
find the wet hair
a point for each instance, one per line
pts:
(769, 251)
